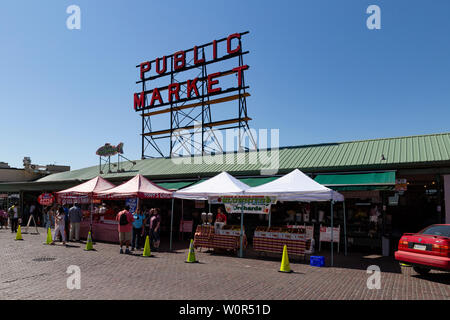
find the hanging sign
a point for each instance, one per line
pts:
(245, 204)
(46, 199)
(132, 203)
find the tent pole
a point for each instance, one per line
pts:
(345, 229)
(332, 239)
(270, 218)
(92, 209)
(242, 230)
(182, 220)
(171, 225)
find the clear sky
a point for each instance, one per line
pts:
(317, 72)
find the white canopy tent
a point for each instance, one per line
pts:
(297, 186)
(222, 184)
(219, 185)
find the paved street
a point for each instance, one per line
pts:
(31, 270)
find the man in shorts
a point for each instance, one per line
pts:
(125, 219)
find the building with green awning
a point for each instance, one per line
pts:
(402, 179)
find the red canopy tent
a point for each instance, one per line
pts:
(137, 187)
(84, 191)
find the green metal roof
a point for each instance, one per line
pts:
(426, 150)
(254, 182)
(175, 185)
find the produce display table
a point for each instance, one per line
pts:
(205, 237)
(102, 231)
(273, 241)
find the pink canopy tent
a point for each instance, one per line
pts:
(84, 191)
(137, 187)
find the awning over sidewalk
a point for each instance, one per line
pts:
(358, 181)
(175, 185)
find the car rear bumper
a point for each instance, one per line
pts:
(426, 260)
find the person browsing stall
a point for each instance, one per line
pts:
(75, 217)
(138, 228)
(155, 223)
(125, 227)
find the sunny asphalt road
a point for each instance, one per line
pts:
(32, 270)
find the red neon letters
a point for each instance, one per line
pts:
(212, 82)
(192, 85)
(179, 62)
(230, 37)
(145, 66)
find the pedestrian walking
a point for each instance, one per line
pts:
(75, 217)
(138, 229)
(33, 213)
(14, 215)
(59, 225)
(125, 219)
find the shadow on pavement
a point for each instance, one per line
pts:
(441, 277)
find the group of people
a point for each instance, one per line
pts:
(67, 222)
(135, 227)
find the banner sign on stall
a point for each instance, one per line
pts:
(245, 204)
(325, 234)
(46, 199)
(132, 203)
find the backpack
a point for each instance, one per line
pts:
(123, 219)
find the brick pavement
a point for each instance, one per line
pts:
(106, 274)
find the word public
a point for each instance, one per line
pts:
(178, 64)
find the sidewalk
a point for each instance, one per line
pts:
(31, 270)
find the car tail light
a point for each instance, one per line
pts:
(403, 244)
(441, 249)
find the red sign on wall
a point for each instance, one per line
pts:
(46, 199)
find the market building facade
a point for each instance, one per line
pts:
(390, 185)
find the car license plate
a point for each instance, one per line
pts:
(420, 247)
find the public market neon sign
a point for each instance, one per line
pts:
(177, 62)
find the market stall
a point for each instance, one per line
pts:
(273, 239)
(134, 189)
(220, 185)
(227, 237)
(294, 186)
(84, 193)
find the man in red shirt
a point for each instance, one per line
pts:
(125, 219)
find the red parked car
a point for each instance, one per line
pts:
(428, 249)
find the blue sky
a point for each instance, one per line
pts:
(316, 72)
